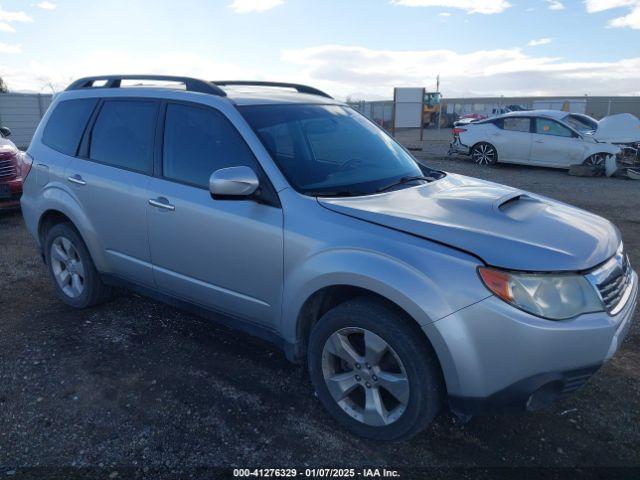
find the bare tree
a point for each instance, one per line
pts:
(3, 86)
(54, 86)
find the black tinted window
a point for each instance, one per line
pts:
(123, 134)
(66, 124)
(198, 141)
(323, 149)
(517, 124)
(550, 127)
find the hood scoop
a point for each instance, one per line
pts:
(520, 206)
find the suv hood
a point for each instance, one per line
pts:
(620, 128)
(504, 226)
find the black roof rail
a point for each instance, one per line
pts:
(114, 81)
(296, 86)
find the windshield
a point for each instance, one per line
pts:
(329, 149)
(581, 123)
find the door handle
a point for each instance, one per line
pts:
(161, 202)
(539, 141)
(77, 179)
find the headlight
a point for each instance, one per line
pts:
(551, 296)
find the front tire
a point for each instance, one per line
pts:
(375, 372)
(596, 160)
(484, 154)
(72, 270)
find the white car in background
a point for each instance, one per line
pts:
(548, 138)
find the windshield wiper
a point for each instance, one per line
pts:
(404, 180)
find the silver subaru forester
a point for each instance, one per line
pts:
(278, 210)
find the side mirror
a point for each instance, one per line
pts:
(5, 132)
(233, 182)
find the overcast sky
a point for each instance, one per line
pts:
(360, 48)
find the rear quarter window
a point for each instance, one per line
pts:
(67, 123)
(517, 124)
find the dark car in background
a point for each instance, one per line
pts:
(11, 173)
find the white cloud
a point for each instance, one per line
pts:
(540, 41)
(555, 5)
(248, 6)
(12, 49)
(5, 27)
(41, 76)
(7, 16)
(470, 6)
(46, 5)
(601, 5)
(630, 20)
(367, 73)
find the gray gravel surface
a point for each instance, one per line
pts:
(137, 384)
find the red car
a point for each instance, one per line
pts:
(12, 170)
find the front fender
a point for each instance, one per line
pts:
(422, 297)
(602, 148)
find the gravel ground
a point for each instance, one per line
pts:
(137, 384)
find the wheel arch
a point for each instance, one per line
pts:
(63, 207)
(328, 297)
(597, 152)
(48, 219)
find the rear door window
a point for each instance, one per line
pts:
(67, 123)
(517, 124)
(123, 134)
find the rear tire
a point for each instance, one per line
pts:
(484, 154)
(72, 270)
(390, 385)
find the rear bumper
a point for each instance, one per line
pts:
(457, 147)
(497, 358)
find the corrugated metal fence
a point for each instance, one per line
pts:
(21, 112)
(381, 112)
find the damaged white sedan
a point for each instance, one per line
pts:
(549, 138)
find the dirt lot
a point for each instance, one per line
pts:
(135, 383)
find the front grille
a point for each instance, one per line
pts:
(613, 280)
(8, 169)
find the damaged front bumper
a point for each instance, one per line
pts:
(629, 155)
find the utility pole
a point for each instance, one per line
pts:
(439, 99)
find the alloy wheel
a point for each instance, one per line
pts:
(68, 269)
(596, 160)
(484, 154)
(365, 376)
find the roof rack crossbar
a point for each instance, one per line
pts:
(115, 81)
(296, 86)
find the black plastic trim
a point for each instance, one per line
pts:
(115, 81)
(515, 397)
